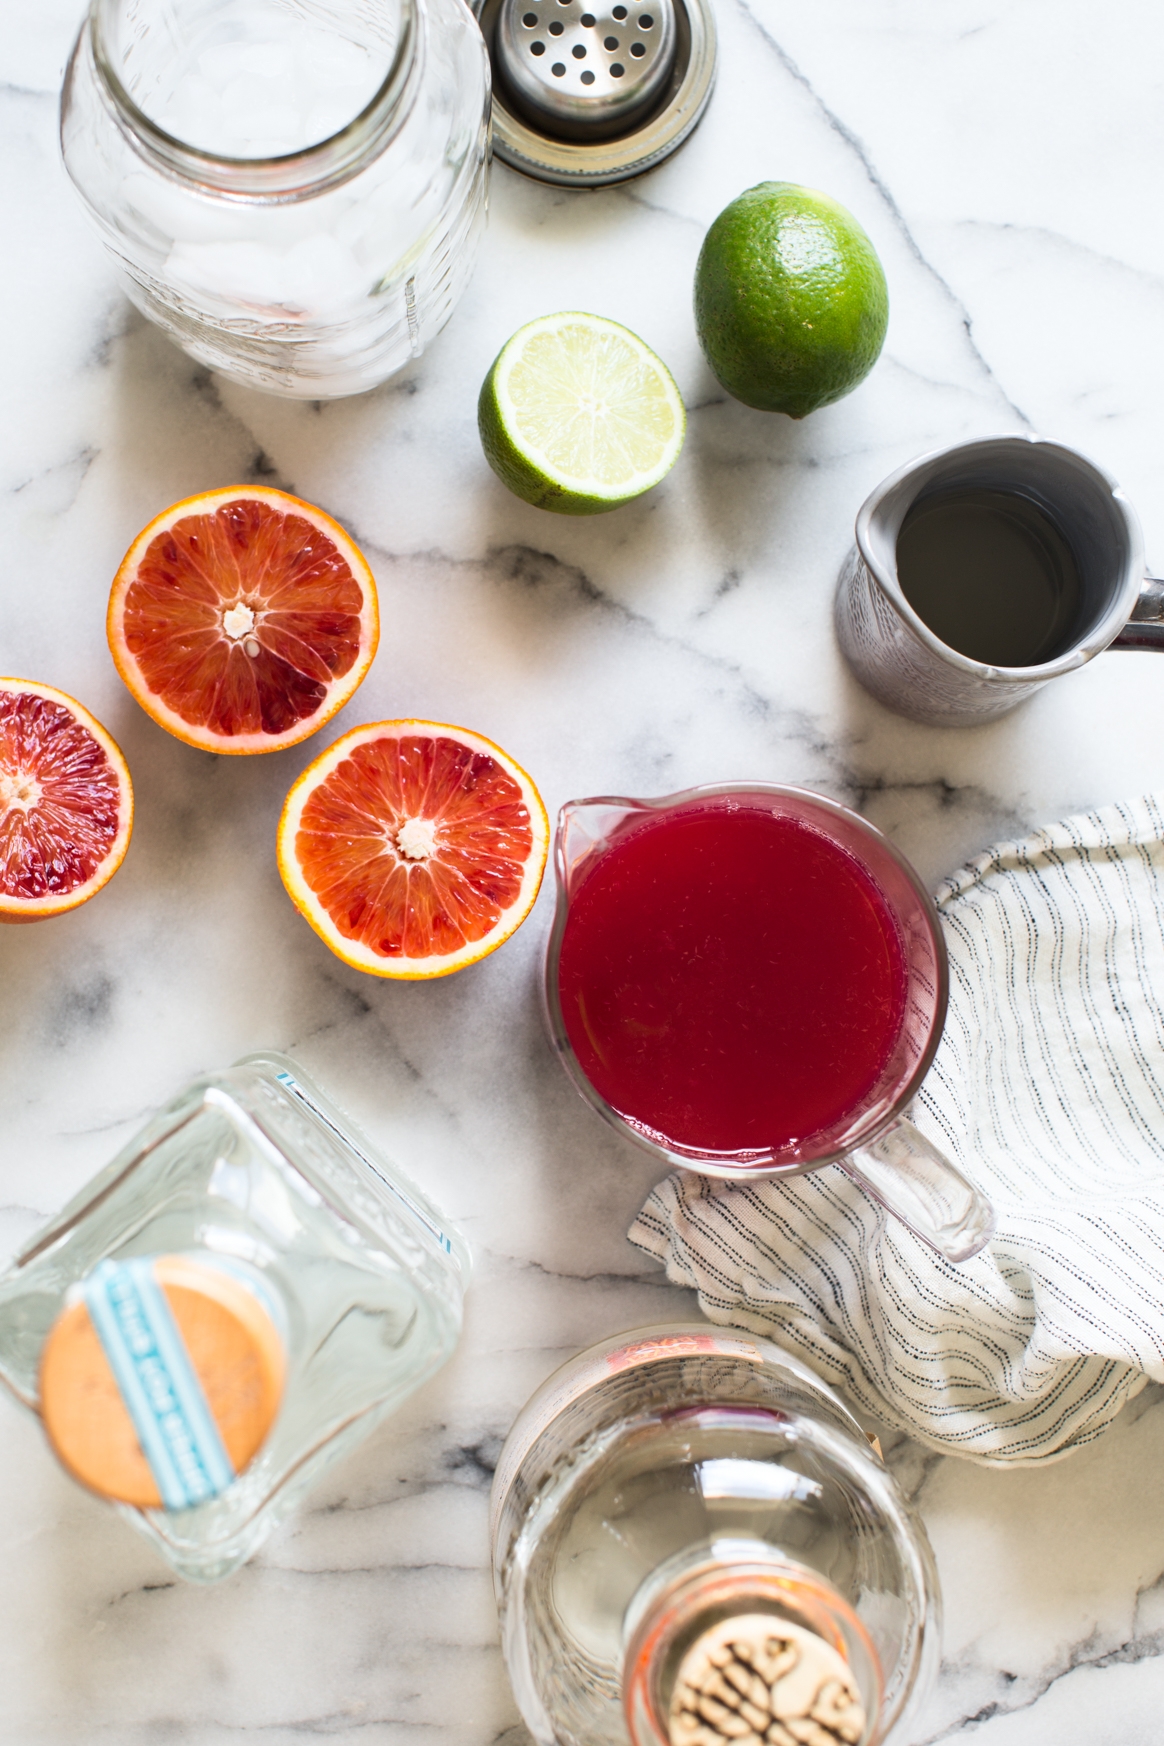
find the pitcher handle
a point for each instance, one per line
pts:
(1145, 628)
(919, 1185)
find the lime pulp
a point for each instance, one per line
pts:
(577, 415)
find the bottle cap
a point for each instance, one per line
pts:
(757, 1677)
(160, 1379)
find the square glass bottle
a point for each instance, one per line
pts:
(251, 1179)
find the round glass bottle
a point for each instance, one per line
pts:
(294, 194)
(694, 1542)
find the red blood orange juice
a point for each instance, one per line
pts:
(732, 978)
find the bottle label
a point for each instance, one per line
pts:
(157, 1382)
(290, 1083)
(665, 1346)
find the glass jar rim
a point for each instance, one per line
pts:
(291, 176)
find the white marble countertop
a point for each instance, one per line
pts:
(1007, 160)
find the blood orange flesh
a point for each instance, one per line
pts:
(243, 620)
(413, 848)
(66, 802)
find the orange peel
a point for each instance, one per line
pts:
(66, 803)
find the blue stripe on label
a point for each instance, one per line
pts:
(161, 1391)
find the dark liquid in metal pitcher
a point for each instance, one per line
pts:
(991, 574)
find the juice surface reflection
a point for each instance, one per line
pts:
(730, 978)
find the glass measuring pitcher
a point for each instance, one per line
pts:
(749, 980)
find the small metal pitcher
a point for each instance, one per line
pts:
(896, 655)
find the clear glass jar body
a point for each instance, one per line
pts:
(312, 273)
(682, 1474)
(255, 1167)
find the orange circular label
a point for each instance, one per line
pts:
(161, 1380)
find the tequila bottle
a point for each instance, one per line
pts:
(694, 1542)
(229, 1307)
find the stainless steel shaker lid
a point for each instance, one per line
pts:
(586, 94)
(584, 72)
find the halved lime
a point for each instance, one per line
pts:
(578, 415)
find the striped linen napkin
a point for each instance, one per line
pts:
(1048, 1090)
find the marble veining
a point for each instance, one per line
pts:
(1006, 160)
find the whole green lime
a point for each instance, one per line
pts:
(791, 303)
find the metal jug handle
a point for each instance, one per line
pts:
(1145, 628)
(920, 1186)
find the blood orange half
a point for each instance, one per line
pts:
(413, 848)
(243, 619)
(66, 803)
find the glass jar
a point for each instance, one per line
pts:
(679, 1500)
(295, 194)
(271, 1228)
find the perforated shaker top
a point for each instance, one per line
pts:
(580, 72)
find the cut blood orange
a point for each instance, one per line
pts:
(413, 848)
(243, 619)
(66, 803)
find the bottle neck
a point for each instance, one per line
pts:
(132, 64)
(719, 1648)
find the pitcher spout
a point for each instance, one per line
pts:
(584, 829)
(880, 518)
